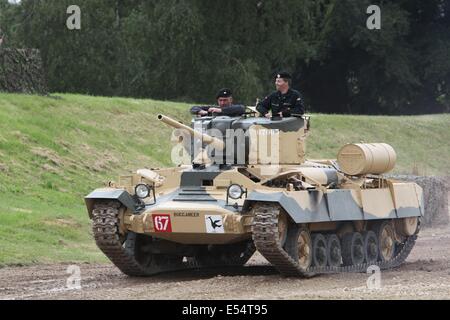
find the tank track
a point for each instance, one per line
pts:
(105, 226)
(265, 237)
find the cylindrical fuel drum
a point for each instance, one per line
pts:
(366, 158)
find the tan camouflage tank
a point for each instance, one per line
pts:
(247, 186)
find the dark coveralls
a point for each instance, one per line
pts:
(231, 111)
(288, 104)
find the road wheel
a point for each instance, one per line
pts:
(334, 253)
(386, 240)
(319, 245)
(370, 246)
(352, 249)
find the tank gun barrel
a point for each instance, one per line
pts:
(216, 143)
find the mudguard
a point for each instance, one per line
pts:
(109, 194)
(315, 211)
(312, 206)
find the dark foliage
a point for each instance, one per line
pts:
(187, 49)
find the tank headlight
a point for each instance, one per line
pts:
(235, 191)
(142, 191)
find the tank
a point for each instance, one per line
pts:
(244, 184)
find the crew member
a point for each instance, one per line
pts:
(284, 102)
(225, 106)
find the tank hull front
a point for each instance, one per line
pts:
(191, 223)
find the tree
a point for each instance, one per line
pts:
(187, 50)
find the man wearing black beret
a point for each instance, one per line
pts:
(225, 106)
(284, 102)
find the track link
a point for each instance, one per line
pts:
(267, 242)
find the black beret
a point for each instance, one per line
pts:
(223, 93)
(283, 75)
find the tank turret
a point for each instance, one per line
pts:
(246, 141)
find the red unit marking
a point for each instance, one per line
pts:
(162, 222)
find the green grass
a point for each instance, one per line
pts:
(419, 141)
(55, 150)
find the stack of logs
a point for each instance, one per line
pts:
(21, 71)
(436, 194)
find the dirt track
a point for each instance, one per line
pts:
(425, 275)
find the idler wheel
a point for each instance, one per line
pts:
(407, 226)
